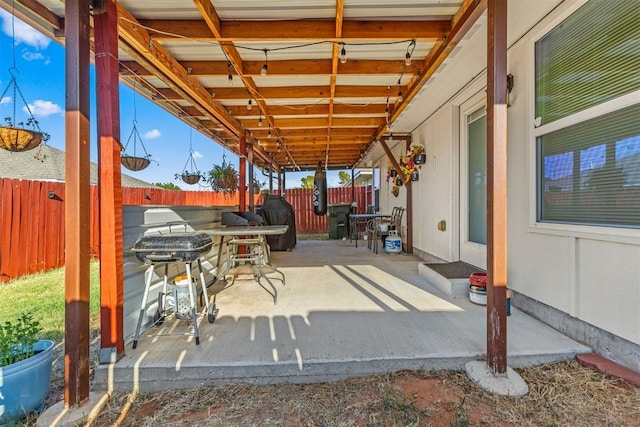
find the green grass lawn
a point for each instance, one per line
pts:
(42, 294)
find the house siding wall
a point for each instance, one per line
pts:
(590, 273)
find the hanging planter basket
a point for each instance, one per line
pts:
(134, 163)
(420, 159)
(190, 173)
(393, 173)
(17, 139)
(15, 134)
(191, 178)
(415, 176)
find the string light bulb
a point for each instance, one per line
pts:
(265, 67)
(230, 77)
(400, 97)
(249, 104)
(260, 120)
(343, 54)
(410, 49)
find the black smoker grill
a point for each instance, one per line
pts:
(169, 248)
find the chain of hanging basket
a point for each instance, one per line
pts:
(190, 173)
(133, 161)
(14, 135)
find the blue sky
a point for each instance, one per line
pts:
(39, 72)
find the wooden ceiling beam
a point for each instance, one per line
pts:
(311, 109)
(214, 23)
(369, 93)
(311, 133)
(310, 67)
(297, 30)
(34, 14)
(335, 55)
(342, 147)
(461, 23)
(162, 63)
(314, 92)
(303, 122)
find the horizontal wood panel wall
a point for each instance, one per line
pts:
(32, 217)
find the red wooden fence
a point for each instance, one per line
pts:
(302, 201)
(32, 217)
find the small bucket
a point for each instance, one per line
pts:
(478, 295)
(182, 299)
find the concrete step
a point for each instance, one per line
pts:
(453, 287)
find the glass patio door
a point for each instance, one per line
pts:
(473, 184)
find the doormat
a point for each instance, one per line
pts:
(454, 270)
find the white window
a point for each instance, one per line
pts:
(587, 87)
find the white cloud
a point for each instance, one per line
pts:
(32, 56)
(23, 32)
(41, 108)
(5, 100)
(152, 134)
(197, 155)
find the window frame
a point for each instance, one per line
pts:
(593, 232)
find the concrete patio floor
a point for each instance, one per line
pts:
(343, 312)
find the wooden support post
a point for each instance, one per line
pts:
(353, 186)
(242, 172)
(110, 181)
(392, 159)
(252, 190)
(409, 216)
(270, 179)
(283, 183)
(77, 202)
(497, 186)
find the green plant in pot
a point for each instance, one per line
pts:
(25, 369)
(223, 177)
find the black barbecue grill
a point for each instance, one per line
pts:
(172, 247)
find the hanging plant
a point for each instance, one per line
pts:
(416, 152)
(22, 136)
(391, 171)
(408, 167)
(190, 173)
(224, 177)
(19, 135)
(190, 178)
(135, 162)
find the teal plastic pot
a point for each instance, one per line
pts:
(25, 385)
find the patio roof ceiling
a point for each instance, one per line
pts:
(202, 60)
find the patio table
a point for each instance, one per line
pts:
(257, 251)
(358, 220)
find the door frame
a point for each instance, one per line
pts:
(469, 252)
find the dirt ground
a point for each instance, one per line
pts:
(561, 394)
